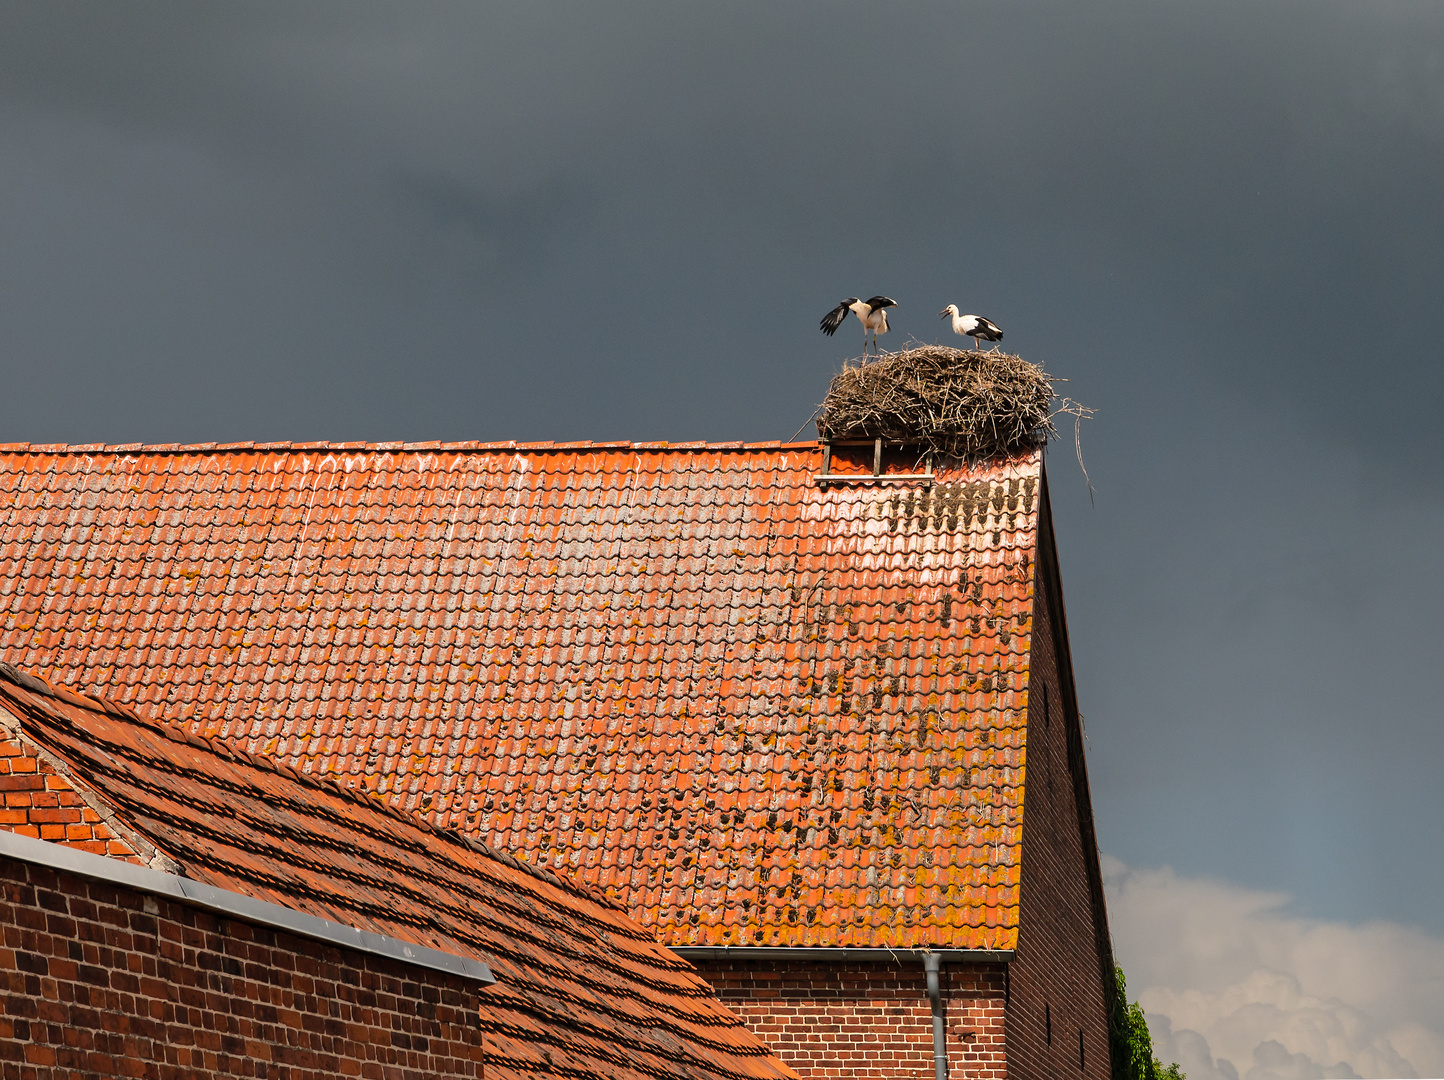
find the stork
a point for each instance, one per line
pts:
(973, 326)
(871, 313)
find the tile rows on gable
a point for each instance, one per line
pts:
(755, 711)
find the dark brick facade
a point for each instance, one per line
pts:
(102, 980)
(869, 1021)
(1057, 1015)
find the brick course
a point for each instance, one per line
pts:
(869, 1021)
(101, 980)
(39, 802)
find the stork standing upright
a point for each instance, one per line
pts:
(871, 313)
(973, 326)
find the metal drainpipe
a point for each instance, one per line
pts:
(932, 964)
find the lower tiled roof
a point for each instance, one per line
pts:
(582, 990)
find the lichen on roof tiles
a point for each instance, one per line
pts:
(755, 710)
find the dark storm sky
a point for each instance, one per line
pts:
(1221, 221)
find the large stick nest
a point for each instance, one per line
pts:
(958, 403)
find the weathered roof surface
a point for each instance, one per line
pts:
(756, 710)
(581, 991)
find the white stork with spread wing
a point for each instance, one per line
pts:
(871, 313)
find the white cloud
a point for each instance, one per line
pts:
(1237, 988)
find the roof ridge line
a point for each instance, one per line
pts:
(535, 446)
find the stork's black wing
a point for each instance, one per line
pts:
(833, 319)
(987, 330)
(881, 302)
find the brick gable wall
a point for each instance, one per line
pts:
(39, 802)
(868, 1021)
(1056, 993)
(102, 980)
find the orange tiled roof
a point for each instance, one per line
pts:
(581, 989)
(756, 710)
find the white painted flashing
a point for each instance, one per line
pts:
(237, 906)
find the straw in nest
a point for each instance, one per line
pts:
(959, 403)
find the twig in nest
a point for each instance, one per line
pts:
(1079, 414)
(805, 423)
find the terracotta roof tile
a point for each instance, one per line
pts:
(755, 710)
(581, 989)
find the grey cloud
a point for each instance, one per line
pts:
(503, 235)
(1189, 1050)
(1229, 975)
(1273, 1062)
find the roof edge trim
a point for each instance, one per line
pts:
(507, 446)
(824, 952)
(237, 905)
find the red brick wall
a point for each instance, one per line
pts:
(39, 802)
(99, 980)
(871, 1021)
(1055, 979)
